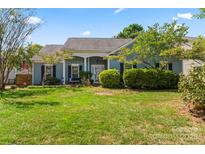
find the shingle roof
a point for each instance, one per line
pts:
(48, 49)
(94, 44)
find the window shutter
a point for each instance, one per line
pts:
(69, 71)
(157, 65)
(170, 66)
(54, 70)
(81, 68)
(135, 66)
(42, 71)
(121, 68)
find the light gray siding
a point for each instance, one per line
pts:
(177, 67)
(37, 73)
(59, 71)
(96, 61)
(75, 60)
(114, 64)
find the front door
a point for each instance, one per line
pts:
(95, 70)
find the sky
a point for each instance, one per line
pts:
(57, 25)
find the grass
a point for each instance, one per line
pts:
(93, 115)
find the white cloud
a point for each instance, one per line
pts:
(86, 33)
(119, 10)
(34, 20)
(174, 18)
(185, 15)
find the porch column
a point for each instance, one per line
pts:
(88, 64)
(63, 71)
(108, 63)
(85, 63)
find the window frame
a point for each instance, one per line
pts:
(45, 70)
(74, 65)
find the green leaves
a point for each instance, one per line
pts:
(130, 32)
(56, 57)
(192, 86)
(156, 44)
(201, 14)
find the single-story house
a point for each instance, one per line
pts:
(89, 55)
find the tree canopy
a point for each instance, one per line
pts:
(196, 51)
(201, 14)
(14, 31)
(130, 31)
(57, 57)
(27, 52)
(154, 44)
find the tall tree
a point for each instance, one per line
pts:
(151, 45)
(130, 32)
(201, 14)
(15, 27)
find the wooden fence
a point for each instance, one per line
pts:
(23, 79)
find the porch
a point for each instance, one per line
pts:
(94, 64)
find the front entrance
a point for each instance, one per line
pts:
(95, 70)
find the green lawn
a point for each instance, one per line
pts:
(95, 116)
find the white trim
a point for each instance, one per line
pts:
(83, 55)
(51, 65)
(108, 63)
(63, 71)
(88, 64)
(85, 63)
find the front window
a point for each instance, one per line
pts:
(75, 71)
(48, 71)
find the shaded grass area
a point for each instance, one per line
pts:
(93, 115)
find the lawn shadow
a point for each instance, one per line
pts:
(23, 93)
(29, 104)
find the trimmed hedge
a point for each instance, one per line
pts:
(110, 78)
(150, 79)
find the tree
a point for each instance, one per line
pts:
(56, 57)
(201, 14)
(196, 51)
(130, 32)
(152, 45)
(15, 27)
(28, 52)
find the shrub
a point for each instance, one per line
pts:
(110, 78)
(85, 77)
(192, 86)
(52, 81)
(150, 79)
(133, 78)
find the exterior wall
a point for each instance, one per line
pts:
(96, 61)
(12, 76)
(187, 65)
(114, 64)
(59, 71)
(75, 60)
(177, 67)
(37, 73)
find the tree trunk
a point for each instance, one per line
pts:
(2, 86)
